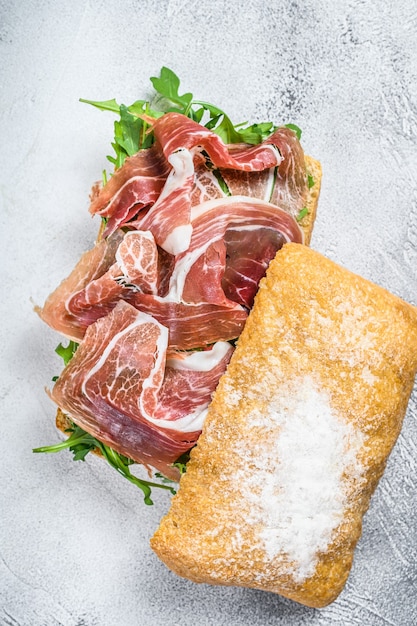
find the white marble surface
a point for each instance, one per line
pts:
(74, 537)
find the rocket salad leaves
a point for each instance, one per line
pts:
(80, 443)
(132, 132)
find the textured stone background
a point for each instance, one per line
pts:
(74, 537)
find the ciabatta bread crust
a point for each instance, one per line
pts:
(297, 435)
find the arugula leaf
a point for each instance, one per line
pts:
(222, 125)
(296, 129)
(222, 183)
(121, 464)
(167, 85)
(257, 132)
(66, 352)
(104, 105)
(181, 462)
(80, 443)
(130, 130)
(301, 214)
(197, 115)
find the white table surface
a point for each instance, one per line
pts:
(74, 537)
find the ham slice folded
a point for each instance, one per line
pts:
(125, 389)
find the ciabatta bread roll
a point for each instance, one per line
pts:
(297, 435)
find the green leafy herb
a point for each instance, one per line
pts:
(104, 105)
(80, 443)
(222, 183)
(167, 85)
(310, 181)
(296, 129)
(67, 352)
(121, 464)
(302, 214)
(131, 131)
(222, 125)
(128, 131)
(181, 463)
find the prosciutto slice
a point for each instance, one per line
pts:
(121, 387)
(169, 218)
(290, 188)
(135, 267)
(132, 188)
(208, 288)
(284, 185)
(199, 271)
(193, 325)
(175, 131)
(181, 138)
(109, 272)
(92, 265)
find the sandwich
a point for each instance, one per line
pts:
(297, 435)
(190, 218)
(211, 345)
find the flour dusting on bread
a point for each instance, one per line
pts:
(298, 491)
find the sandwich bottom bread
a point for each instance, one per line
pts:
(306, 223)
(297, 435)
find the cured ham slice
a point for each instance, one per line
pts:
(116, 266)
(221, 255)
(132, 188)
(251, 184)
(121, 388)
(92, 265)
(136, 268)
(181, 138)
(233, 240)
(175, 131)
(284, 185)
(193, 325)
(290, 188)
(198, 271)
(169, 218)
(249, 252)
(137, 258)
